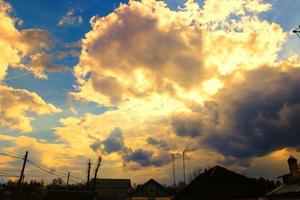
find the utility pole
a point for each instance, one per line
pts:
(23, 169)
(183, 163)
(68, 179)
(173, 157)
(88, 175)
(96, 172)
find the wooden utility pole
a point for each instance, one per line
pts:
(23, 169)
(173, 157)
(183, 166)
(88, 174)
(96, 172)
(68, 179)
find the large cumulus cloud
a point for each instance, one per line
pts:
(144, 48)
(251, 117)
(145, 41)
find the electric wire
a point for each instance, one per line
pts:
(37, 165)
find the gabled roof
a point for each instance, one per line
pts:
(286, 190)
(143, 191)
(220, 182)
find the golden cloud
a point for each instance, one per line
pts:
(155, 63)
(144, 48)
(15, 103)
(16, 46)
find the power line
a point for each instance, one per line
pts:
(48, 168)
(12, 156)
(8, 175)
(39, 166)
(8, 152)
(56, 172)
(47, 171)
(76, 177)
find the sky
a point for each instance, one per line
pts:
(136, 81)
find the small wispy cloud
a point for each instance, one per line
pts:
(70, 18)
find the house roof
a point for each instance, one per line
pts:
(70, 195)
(220, 182)
(142, 191)
(284, 175)
(286, 190)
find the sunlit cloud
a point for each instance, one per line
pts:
(15, 46)
(70, 18)
(176, 71)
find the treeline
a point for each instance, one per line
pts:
(34, 190)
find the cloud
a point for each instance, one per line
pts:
(182, 76)
(113, 143)
(187, 125)
(146, 158)
(263, 113)
(70, 18)
(40, 62)
(252, 117)
(16, 103)
(155, 142)
(18, 47)
(175, 56)
(162, 53)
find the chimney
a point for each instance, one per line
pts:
(293, 165)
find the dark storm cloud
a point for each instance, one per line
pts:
(162, 144)
(96, 145)
(232, 161)
(251, 118)
(145, 158)
(187, 125)
(113, 143)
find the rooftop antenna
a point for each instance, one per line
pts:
(297, 31)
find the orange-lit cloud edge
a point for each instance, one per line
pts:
(179, 80)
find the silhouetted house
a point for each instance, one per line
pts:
(221, 183)
(291, 187)
(151, 190)
(70, 195)
(112, 189)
